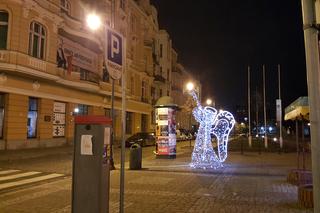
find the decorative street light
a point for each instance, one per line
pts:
(190, 86)
(209, 102)
(93, 21)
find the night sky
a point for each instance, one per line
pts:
(217, 40)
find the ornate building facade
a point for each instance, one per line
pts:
(52, 68)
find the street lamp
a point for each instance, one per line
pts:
(93, 21)
(190, 86)
(208, 101)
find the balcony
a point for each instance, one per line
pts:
(159, 78)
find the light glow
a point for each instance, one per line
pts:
(93, 21)
(209, 101)
(190, 86)
(213, 122)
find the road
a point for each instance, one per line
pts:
(247, 183)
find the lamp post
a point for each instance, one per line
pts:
(190, 88)
(94, 23)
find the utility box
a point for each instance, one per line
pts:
(91, 172)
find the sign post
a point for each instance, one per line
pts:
(115, 63)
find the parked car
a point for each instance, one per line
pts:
(142, 138)
(180, 135)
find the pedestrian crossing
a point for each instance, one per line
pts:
(12, 178)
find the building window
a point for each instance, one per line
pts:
(161, 49)
(83, 109)
(65, 6)
(59, 119)
(160, 93)
(106, 76)
(153, 92)
(107, 112)
(122, 4)
(4, 16)
(37, 40)
(143, 90)
(32, 118)
(168, 74)
(168, 93)
(153, 117)
(129, 116)
(144, 123)
(161, 70)
(132, 85)
(2, 104)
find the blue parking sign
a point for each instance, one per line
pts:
(114, 53)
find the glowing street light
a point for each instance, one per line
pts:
(209, 101)
(190, 86)
(93, 21)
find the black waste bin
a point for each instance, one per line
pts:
(135, 156)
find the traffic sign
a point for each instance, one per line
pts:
(114, 53)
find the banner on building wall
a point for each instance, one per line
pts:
(71, 53)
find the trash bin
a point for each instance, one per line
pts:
(135, 156)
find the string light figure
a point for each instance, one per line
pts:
(211, 122)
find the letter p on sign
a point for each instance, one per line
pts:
(114, 47)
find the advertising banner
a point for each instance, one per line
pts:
(79, 56)
(166, 131)
(279, 110)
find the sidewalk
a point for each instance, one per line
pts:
(249, 183)
(21, 154)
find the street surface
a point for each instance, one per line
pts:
(39, 181)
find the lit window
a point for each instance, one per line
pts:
(32, 118)
(37, 40)
(83, 109)
(3, 29)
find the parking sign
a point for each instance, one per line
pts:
(114, 53)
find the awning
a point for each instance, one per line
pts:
(297, 109)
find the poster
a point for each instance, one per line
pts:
(166, 131)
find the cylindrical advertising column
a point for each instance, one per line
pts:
(165, 128)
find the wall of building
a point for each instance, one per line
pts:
(23, 76)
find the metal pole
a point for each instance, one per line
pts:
(280, 121)
(313, 76)
(257, 120)
(249, 110)
(303, 145)
(264, 108)
(123, 143)
(297, 144)
(111, 162)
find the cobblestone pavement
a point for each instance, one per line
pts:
(247, 183)
(253, 184)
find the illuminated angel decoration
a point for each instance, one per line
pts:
(211, 122)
